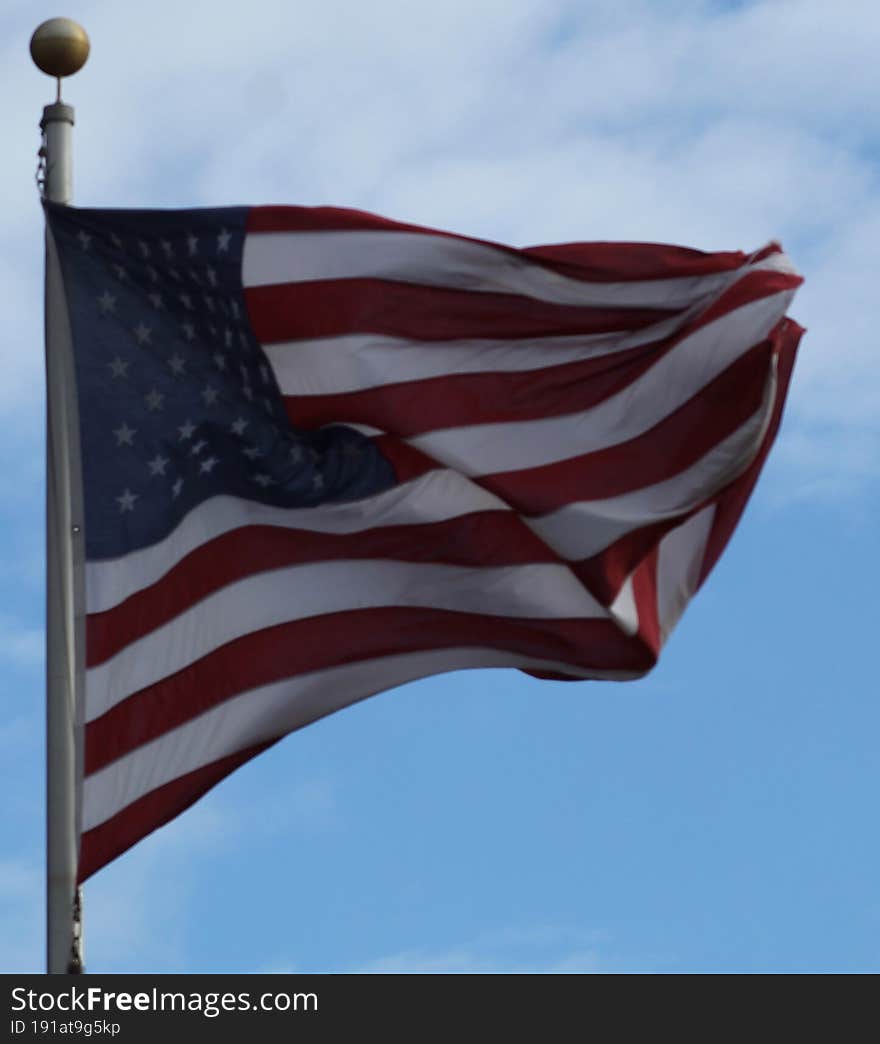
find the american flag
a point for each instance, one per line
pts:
(325, 453)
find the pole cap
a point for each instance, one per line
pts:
(59, 47)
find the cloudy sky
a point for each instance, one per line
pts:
(719, 815)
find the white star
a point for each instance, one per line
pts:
(192, 241)
(157, 465)
(174, 274)
(296, 454)
(248, 394)
(124, 435)
(119, 367)
(154, 400)
(156, 301)
(126, 501)
(242, 336)
(186, 430)
(152, 273)
(107, 303)
(235, 310)
(121, 274)
(186, 300)
(144, 249)
(142, 333)
(209, 302)
(220, 361)
(177, 365)
(238, 426)
(166, 246)
(263, 480)
(193, 275)
(197, 447)
(84, 238)
(227, 337)
(210, 394)
(208, 465)
(189, 330)
(212, 276)
(264, 373)
(177, 487)
(251, 452)
(267, 404)
(223, 240)
(117, 242)
(317, 481)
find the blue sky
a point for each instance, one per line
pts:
(719, 815)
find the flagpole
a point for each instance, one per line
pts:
(60, 48)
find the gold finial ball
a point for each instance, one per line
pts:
(60, 47)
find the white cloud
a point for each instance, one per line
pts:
(542, 950)
(464, 961)
(479, 958)
(824, 464)
(21, 356)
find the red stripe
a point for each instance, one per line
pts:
(482, 539)
(329, 219)
(291, 649)
(645, 596)
(595, 262)
(331, 308)
(408, 462)
(476, 398)
(108, 840)
(665, 450)
(452, 400)
(604, 574)
(749, 288)
(631, 262)
(785, 339)
(765, 252)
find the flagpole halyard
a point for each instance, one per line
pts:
(60, 48)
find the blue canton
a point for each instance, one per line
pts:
(177, 401)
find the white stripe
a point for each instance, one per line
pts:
(485, 449)
(624, 610)
(336, 365)
(679, 561)
(583, 529)
(576, 531)
(273, 710)
(435, 497)
(273, 258)
(263, 600)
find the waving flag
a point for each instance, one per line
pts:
(324, 453)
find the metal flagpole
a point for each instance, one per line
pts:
(60, 48)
